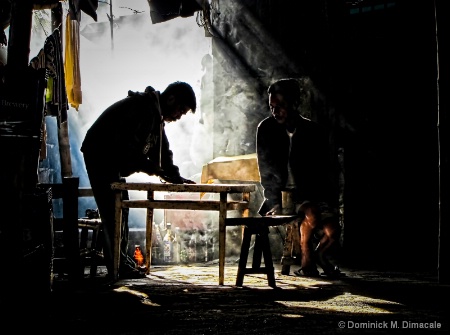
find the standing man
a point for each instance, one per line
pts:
(293, 156)
(129, 137)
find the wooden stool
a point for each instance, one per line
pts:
(91, 252)
(258, 226)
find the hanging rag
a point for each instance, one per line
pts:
(72, 62)
(56, 101)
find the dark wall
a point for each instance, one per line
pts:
(392, 154)
(373, 73)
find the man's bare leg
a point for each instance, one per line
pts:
(331, 233)
(307, 226)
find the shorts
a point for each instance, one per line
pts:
(326, 211)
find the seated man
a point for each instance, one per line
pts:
(293, 156)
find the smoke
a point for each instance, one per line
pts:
(138, 54)
(144, 54)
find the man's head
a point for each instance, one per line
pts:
(284, 99)
(176, 100)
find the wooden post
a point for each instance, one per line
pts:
(63, 130)
(70, 230)
(117, 234)
(222, 236)
(149, 234)
(111, 22)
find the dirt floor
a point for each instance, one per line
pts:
(186, 299)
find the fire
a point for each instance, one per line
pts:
(138, 256)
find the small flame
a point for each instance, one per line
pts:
(138, 256)
(210, 181)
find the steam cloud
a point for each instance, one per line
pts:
(143, 54)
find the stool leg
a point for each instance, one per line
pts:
(245, 246)
(83, 247)
(268, 262)
(83, 238)
(257, 251)
(93, 270)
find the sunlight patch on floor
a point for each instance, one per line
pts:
(347, 303)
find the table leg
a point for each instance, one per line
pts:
(222, 235)
(117, 235)
(246, 197)
(148, 240)
(148, 235)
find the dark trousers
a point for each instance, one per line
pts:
(101, 176)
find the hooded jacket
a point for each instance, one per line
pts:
(129, 137)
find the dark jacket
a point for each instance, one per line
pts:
(126, 137)
(309, 159)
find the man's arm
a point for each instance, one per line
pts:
(170, 172)
(269, 180)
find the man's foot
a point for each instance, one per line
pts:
(134, 274)
(126, 271)
(305, 272)
(333, 273)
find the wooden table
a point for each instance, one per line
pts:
(222, 205)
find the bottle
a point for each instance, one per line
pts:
(183, 256)
(168, 244)
(176, 246)
(156, 244)
(192, 247)
(138, 256)
(183, 243)
(209, 246)
(200, 250)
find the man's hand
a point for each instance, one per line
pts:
(187, 181)
(177, 180)
(276, 210)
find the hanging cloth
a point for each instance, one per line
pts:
(72, 62)
(56, 101)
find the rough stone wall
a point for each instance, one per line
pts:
(252, 49)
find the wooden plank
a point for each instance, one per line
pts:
(184, 204)
(58, 189)
(85, 192)
(201, 188)
(89, 223)
(272, 220)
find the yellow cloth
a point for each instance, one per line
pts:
(72, 63)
